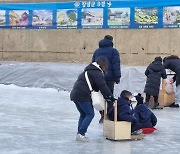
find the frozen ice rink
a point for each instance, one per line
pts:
(41, 120)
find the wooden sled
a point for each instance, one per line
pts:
(165, 99)
(118, 130)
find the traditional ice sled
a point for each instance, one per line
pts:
(118, 130)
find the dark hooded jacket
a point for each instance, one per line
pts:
(145, 116)
(154, 72)
(124, 111)
(81, 92)
(106, 49)
(173, 65)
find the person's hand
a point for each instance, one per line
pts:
(171, 80)
(117, 80)
(110, 99)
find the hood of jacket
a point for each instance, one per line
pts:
(105, 43)
(143, 111)
(156, 66)
(122, 101)
(93, 66)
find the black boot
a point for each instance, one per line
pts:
(147, 104)
(155, 106)
(174, 105)
(101, 120)
(102, 117)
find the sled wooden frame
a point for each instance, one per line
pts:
(118, 130)
(164, 99)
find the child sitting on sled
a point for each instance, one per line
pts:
(144, 115)
(125, 112)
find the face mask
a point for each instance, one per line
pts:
(132, 99)
(133, 102)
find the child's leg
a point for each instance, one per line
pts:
(135, 127)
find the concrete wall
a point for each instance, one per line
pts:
(137, 47)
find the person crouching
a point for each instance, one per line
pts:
(144, 115)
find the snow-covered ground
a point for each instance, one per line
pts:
(40, 120)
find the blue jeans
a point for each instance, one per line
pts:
(86, 111)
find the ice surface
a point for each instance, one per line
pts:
(44, 121)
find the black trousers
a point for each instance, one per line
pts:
(148, 98)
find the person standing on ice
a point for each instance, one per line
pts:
(113, 74)
(81, 95)
(154, 72)
(173, 63)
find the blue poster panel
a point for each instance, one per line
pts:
(136, 14)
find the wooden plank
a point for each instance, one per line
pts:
(133, 138)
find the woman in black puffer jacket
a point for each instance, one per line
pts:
(81, 94)
(154, 72)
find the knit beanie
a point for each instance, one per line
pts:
(139, 99)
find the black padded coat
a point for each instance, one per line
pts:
(154, 72)
(81, 92)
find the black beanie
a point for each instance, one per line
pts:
(109, 37)
(139, 99)
(158, 59)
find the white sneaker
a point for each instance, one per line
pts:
(82, 138)
(137, 132)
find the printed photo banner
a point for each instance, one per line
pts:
(137, 14)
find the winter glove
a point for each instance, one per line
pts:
(110, 99)
(171, 80)
(117, 80)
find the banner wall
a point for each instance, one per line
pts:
(136, 14)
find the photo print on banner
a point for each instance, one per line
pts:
(67, 18)
(171, 17)
(146, 17)
(118, 17)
